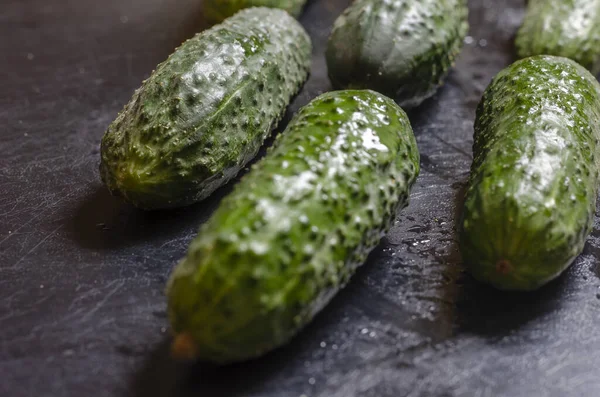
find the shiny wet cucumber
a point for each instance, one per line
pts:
(532, 191)
(568, 28)
(401, 48)
(205, 111)
(294, 229)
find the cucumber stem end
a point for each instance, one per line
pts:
(503, 266)
(184, 347)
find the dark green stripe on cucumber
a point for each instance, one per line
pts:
(295, 228)
(532, 191)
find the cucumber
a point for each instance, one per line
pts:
(294, 229)
(401, 48)
(532, 191)
(205, 111)
(568, 28)
(216, 11)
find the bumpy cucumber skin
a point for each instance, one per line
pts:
(532, 191)
(296, 227)
(205, 111)
(216, 11)
(567, 28)
(401, 48)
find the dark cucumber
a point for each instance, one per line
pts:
(531, 196)
(205, 111)
(216, 11)
(401, 48)
(294, 229)
(568, 28)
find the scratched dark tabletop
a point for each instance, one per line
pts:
(82, 308)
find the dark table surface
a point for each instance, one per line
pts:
(82, 309)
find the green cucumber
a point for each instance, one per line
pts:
(216, 11)
(401, 48)
(205, 111)
(567, 28)
(531, 195)
(294, 229)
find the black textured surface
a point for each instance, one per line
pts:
(82, 311)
